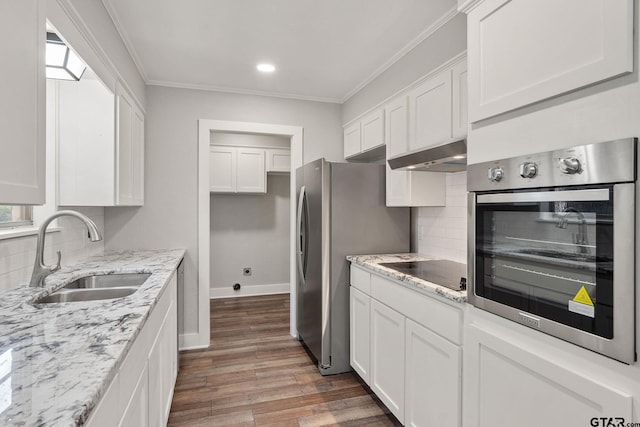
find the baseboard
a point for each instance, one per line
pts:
(192, 341)
(249, 290)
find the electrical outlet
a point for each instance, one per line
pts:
(246, 271)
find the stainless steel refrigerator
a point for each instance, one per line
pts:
(341, 211)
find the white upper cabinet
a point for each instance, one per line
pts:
(278, 160)
(22, 110)
(521, 52)
(372, 128)
(130, 147)
(100, 138)
(237, 170)
(365, 139)
(406, 188)
(430, 112)
(459, 90)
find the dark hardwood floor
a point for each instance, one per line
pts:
(255, 374)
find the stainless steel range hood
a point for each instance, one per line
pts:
(450, 157)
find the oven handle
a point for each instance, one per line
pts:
(593, 195)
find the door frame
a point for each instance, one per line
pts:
(205, 127)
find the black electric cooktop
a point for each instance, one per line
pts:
(450, 274)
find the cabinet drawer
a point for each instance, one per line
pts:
(437, 316)
(361, 279)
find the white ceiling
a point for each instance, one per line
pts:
(323, 49)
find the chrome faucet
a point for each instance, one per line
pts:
(580, 239)
(40, 270)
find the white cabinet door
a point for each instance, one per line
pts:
(222, 169)
(352, 140)
(387, 357)
(433, 389)
(359, 333)
(251, 174)
(22, 109)
(459, 88)
(278, 160)
(540, 390)
(83, 115)
(513, 63)
(130, 148)
(137, 411)
(397, 126)
(161, 372)
(372, 128)
(430, 112)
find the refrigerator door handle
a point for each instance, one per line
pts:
(301, 238)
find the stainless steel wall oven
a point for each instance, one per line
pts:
(552, 243)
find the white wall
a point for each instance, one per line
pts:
(442, 231)
(169, 216)
(251, 231)
(445, 43)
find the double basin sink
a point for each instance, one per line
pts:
(97, 287)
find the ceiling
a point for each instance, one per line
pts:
(323, 50)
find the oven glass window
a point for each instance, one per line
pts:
(553, 259)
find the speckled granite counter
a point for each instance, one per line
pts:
(56, 360)
(372, 262)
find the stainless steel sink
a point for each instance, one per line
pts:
(86, 295)
(108, 281)
(97, 287)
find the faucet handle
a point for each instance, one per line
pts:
(56, 267)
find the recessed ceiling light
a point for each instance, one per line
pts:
(460, 156)
(266, 68)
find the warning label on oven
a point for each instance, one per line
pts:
(582, 304)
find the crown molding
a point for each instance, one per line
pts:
(211, 88)
(111, 10)
(428, 32)
(466, 6)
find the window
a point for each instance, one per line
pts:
(15, 216)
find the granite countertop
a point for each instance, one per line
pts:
(56, 360)
(372, 262)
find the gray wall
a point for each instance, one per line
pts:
(169, 216)
(251, 231)
(445, 43)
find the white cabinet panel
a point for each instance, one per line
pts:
(372, 128)
(387, 357)
(251, 173)
(22, 110)
(397, 126)
(352, 140)
(499, 370)
(130, 150)
(513, 63)
(359, 333)
(430, 112)
(86, 141)
(222, 169)
(433, 380)
(278, 160)
(105, 414)
(360, 279)
(459, 88)
(136, 412)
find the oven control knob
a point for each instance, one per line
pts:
(570, 165)
(528, 170)
(496, 174)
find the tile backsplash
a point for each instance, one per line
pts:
(17, 255)
(442, 231)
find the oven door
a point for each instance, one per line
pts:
(560, 260)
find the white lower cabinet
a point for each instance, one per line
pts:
(360, 328)
(433, 383)
(387, 357)
(406, 347)
(512, 377)
(140, 394)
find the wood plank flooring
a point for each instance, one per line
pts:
(255, 374)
